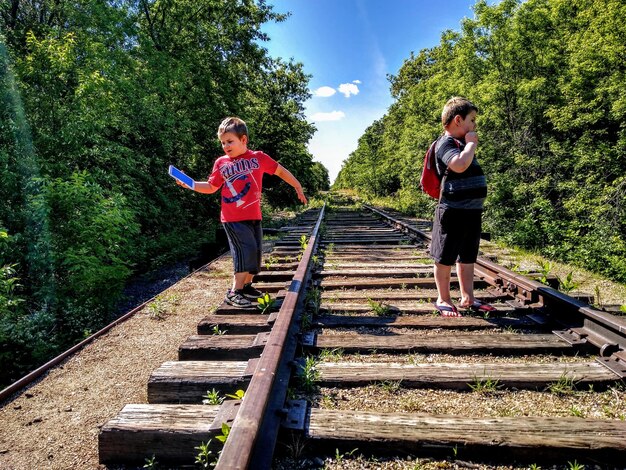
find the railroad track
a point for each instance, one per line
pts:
(357, 320)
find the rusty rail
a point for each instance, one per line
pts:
(256, 409)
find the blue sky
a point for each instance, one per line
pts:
(349, 47)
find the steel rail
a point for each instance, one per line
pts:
(582, 322)
(41, 370)
(243, 438)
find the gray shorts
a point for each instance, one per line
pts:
(456, 235)
(245, 239)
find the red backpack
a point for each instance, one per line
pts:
(430, 182)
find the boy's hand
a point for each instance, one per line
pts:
(471, 136)
(301, 196)
(181, 184)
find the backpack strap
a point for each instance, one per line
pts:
(443, 182)
(445, 173)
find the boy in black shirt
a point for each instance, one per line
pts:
(457, 222)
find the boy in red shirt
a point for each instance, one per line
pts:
(240, 175)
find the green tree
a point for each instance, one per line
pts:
(97, 98)
(546, 76)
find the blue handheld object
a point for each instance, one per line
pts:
(180, 176)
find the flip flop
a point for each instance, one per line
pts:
(446, 311)
(479, 306)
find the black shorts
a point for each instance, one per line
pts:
(456, 235)
(245, 239)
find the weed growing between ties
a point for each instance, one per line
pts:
(331, 355)
(212, 397)
(304, 243)
(329, 249)
(266, 303)
(378, 308)
(313, 300)
(270, 261)
(564, 386)
(308, 375)
(216, 331)
(484, 385)
(205, 457)
(151, 463)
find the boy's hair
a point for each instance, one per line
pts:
(456, 106)
(234, 125)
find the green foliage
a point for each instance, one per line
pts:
(575, 465)
(265, 303)
(567, 284)
(90, 237)
(212, 397)
(151, 463)
(484, 385)
(313, 299)
(9, 300)
(545, 267)
(390, 386)
(238, 395)
(270, 262)
(225, 433)
(96, 100)
(205, 457)
(564, 386)
(216, 331)
(334, 354)
(304, 242)
(546, 77)
(161, 306)
(308, 374)
(378, 308)
(339, 457)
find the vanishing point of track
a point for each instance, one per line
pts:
(361, 284)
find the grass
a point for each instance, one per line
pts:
(333, 355)
(378, 308)
(564, 386)
(484, 385)
(575, 411)
(390, 386)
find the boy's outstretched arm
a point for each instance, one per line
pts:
(288, 178)
(200, 187)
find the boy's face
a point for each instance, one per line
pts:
(233, 145)
(469, 123)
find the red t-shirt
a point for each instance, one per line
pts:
(242, 180)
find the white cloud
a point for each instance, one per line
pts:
(356, 81)
(324, 91)
(348, 89)
(332, 116)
